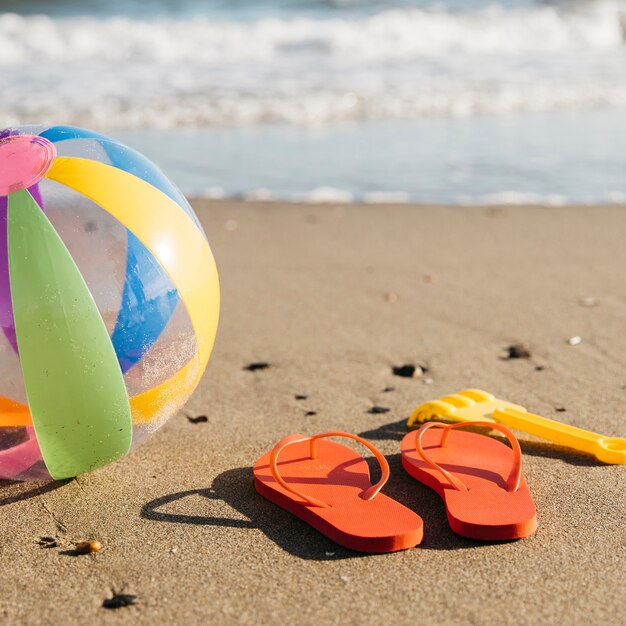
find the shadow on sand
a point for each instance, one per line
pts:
(235, 487)
(11, 491)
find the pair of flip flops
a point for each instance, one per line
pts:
(327, 485)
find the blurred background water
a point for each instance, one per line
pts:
(453, 101)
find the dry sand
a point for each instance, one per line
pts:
(332, 298)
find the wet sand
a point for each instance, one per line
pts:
(332, 297)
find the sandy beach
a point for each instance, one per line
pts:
(332, 297)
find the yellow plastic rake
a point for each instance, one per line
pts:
(477, 405)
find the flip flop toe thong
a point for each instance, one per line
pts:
(327, 485)
(479, 478)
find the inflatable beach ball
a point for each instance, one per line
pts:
(109, 301)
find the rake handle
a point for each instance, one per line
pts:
(606, 449)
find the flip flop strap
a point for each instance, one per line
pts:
(368, 494)
(513, 481)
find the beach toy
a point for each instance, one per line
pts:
(479, 478)
(473, 404)
(109, 301)
(328, 486)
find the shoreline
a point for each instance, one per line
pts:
(203, 203)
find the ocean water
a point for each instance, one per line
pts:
(447, 101)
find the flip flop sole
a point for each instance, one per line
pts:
(486, 511)
(338, 476)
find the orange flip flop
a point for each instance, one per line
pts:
(479, 478)
(328, 486)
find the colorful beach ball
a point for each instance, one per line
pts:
(109, 301)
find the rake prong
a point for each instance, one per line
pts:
(435, 408)
(477, 394)
(466, 406)
(458, 400)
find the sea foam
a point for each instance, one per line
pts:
(119, 72)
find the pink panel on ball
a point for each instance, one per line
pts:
(24, 160)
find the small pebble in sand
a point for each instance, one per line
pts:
(539, 368)
(301, 396)
(428, 381)
(388, 389)
(391, 297)
(119, 600)
(588, 301)
(409, 370)
(92, 546)
(310, 413)
(199, 419)
(560, 409)
(518, 351)
(258, 365)
(173, 550)
(574, 341)
(230, 225)
(344, 579)
(48, 542)
(378, 409)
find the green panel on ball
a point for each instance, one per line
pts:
(73, 380)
